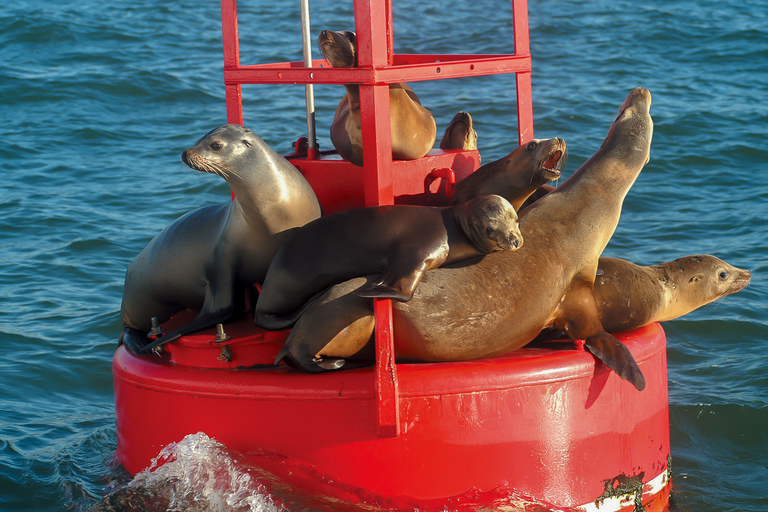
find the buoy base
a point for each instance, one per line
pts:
(550, 423)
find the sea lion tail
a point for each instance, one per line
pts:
(617, 357)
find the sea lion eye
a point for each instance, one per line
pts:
(216, 146)
(723, 274)
(531, 146)
(489, 230)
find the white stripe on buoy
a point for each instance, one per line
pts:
(617, 503)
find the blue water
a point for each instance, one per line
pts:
(98, 99)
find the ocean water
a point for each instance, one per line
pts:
(99, 99)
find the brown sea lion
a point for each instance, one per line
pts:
(504, 300)
(412, 126)
(630, 296)
(399, 242)
(460, 133)
(201, 259)
(517, 175)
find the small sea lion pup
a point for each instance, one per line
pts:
(460, 133)
(504, 300)
(412, 126)
(203, 260)
(398, 242)
(516, 176)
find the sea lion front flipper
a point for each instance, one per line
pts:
(617, 357)
(381, 291)
(133, 339)
(218, 306)
(403, 274)
(580, 319)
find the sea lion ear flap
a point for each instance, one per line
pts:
(617, 357)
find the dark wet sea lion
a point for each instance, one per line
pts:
(412, 126)
(517, 175)
(200, 260)
(460, 133)
(399, 242)
(504, 300)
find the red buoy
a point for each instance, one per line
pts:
(552, 423)
(549, 422)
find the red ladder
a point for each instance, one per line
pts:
(382, 181)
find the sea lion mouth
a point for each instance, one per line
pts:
(740, 283)
(550, 169)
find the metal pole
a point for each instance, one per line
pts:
(308, 89)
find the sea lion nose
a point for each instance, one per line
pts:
(184, 157)
(515, 243)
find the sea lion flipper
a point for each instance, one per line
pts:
(382, 291)
(402, 275)
(617, 357)
(133, 339)
(298, 356)
(581, 320)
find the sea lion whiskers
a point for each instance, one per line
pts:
(200, 163)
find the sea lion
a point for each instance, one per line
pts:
(413, 128)
(460, 133)
(200, 260)
(630, 296)
(517, 175)
(399, 242)
(503, 301)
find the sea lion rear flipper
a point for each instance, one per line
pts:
(133, 339)
(297, 356)
(617, 357)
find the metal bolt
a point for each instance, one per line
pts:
(156, 330)
(225, 355)
(221, 336)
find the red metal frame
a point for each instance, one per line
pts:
(379, 66)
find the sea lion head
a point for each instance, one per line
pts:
(516, 176)
(460, 133)
(340, 48)
(545, 158)
(710, 276)
(221, 150)
(700, 279)
(629, 137)
(490, 223)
